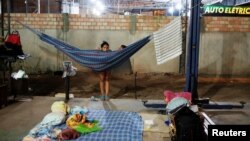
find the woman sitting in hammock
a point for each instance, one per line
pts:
(104, 76)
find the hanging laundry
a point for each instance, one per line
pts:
(168, 41)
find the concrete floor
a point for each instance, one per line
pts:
(18, 118)
(235, 116)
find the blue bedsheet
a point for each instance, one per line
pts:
(116, 126)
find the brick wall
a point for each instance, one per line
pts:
(120, 22)
(226, 24)
(109, 22)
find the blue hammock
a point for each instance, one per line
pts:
(96, 60)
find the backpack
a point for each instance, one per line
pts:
(189, 126)
(13, 38)
(12, 45)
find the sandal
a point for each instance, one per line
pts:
(102, 97)
(106, 98)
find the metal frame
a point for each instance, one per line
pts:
(193, 50)
(193, 61)
(5, 4)
(2, 18)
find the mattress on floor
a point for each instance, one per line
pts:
(116, 126)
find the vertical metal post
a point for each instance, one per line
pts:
(118, 9)
(65, 28)
(235, 2)
(182, 65)
(67, 69)
(172, 8)
(48, 6)
(38, 7)
(26, 6)
(135, 85)
(67, 85)
(193, 50)
(70, 6)
(10, 78)
(4, 71)
(8, 10)
(2, 17)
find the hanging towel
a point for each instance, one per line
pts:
(168, 41)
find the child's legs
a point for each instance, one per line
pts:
(102, 82)
(107, 85)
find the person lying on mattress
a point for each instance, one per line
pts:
(52, 127)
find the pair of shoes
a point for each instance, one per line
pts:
(106, 98)
(102, 97)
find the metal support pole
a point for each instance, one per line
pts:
(118, 5)
(135, 85)
(67, 85)
(172, 8)
(193, 50)
(48, 6)
(65, 28)
(2, 17)
(184, 39)
(10, 79)
(38, 7)
(8, 10)
(4, 71)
